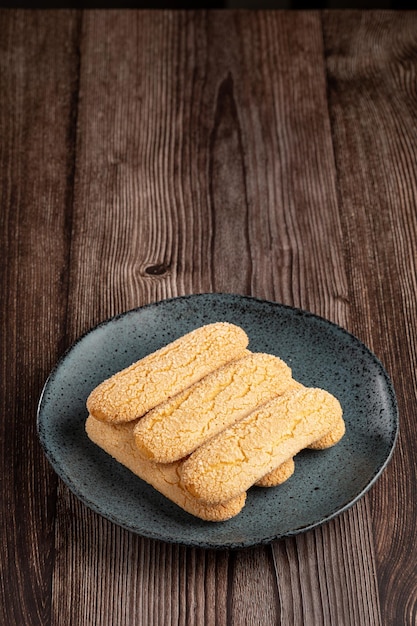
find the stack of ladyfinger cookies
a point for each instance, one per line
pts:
(203, 419)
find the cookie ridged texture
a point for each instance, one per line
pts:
(176, 428)
(242, 454)
(134, 391)
(283, 472)
(278, 475)
(117, 440)
(332, 438)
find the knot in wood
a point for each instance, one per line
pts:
(157, 269)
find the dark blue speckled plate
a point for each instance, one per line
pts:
(320, 354)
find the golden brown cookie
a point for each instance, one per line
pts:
(278, 475)
(333, 437)
(177, 427)
(129, 394)
(242, 454)
(117, 440)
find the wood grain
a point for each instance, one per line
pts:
(147, 154)
(38, 77)
(372, 102)
(323, 589)
(260, 185)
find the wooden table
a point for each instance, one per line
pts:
(149, 154)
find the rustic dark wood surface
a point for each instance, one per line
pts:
(148, 154)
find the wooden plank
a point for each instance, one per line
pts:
(328, 576)
(204, 162)
(158, 140)
(372, 80)
(38, 81)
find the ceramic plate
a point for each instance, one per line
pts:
(320, 353)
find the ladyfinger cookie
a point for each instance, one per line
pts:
(242, 454)
(283, 472)
(117, 440)
(278, 475)
(333, 437)
(177, 427)
(129, 394)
